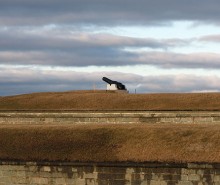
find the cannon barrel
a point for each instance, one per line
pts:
(107, 80)
(119, 85)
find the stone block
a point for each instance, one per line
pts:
(39, 180)
(216, 119)
(9, 173)
(184, 177)
(20, 173)
(203, 119)
(112, 120)
(155, 177)
(167, 120)
(81, 120)
(163, 183)
(217, 172)
(6, 167)
(194, 177)
(71, 181)
(19, 180)
(208, 178)
(59, 181)
(136, 176)
(112, 176)
(186, 120)
(185, 183)
(90, 182)
(103, 120)
(74, 170)
(5, 180)
(154, 182)
(117, 182)
(130, 170)
(149, 120)
(200, 172)
(91, 175)
(94, 120)
(81, 182)
(216, 178)
(46, 169)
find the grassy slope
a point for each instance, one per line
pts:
(99, 143)
(101, 100)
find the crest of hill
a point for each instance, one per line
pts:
(103, 100)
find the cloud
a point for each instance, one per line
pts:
(68, 33)
(210, 38)
(112, 57)
(66, 48)
(27, 80)
(177, 83)
(64, 40)
(178, 60)
(121, 12)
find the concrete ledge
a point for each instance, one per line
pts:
(115, 164)
(109, 117)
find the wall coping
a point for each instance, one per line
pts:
(115, 164)
(111, 113)
(101, 111)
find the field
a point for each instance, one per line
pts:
(102, 100)
(112, 143)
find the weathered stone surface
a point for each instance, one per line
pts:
(118, 174)
(109, 117)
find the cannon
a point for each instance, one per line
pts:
(114, 85)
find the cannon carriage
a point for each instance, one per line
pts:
(114, 85)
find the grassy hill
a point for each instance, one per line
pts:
(112, 143)
(102, 100)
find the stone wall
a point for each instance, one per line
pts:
(72, 117)
(29, 173)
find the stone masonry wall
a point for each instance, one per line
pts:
(30, 173)
(68, 117)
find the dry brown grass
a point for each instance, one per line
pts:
(101, 100)
(112, 143)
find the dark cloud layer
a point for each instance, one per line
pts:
(107, 12)
(23, 47)
(20, 41)
(62, 33)
(110, 57)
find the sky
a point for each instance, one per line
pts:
(151, 46)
